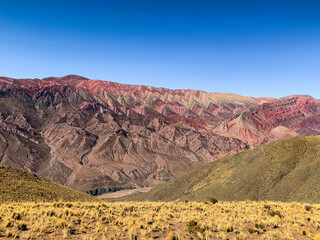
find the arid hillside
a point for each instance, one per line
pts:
(21, 186)
(99, 135)
(285, 170)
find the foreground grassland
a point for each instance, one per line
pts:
(158, 220)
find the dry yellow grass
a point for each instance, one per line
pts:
(172, 220)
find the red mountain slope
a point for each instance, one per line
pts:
(286, 117)
(90, 134)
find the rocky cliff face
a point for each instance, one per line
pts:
(89, 134)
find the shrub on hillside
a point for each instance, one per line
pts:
(213, 200)
(193, 227)
(307, 207)
(275, 213)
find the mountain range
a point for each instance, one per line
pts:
(92, 134)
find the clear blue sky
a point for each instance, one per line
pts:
(256, 48)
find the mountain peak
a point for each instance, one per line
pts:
(67, 78)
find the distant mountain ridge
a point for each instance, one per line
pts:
(195, 108)
(89, 134)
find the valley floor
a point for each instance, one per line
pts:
(123, 193)
(160, 220)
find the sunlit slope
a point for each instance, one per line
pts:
(21, 186)
(285, 170)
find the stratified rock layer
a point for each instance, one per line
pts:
(91, 134)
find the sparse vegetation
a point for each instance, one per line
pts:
(213, 200)
(307, 207)
(268, 172)
(193, 227)
(275, 213)
(149, 220)
(22, 186)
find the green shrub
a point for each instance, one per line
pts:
(268, 207)
(193, 227)
(253, 230)
(16, 216)
(260, 225)
(230, 229)
(275, 213)
(307, 207)
(22, 227)
(213, 200)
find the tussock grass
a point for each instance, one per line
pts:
(149, 220)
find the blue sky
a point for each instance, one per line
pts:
(257, 48)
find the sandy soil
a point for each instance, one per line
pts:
(124, 193)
